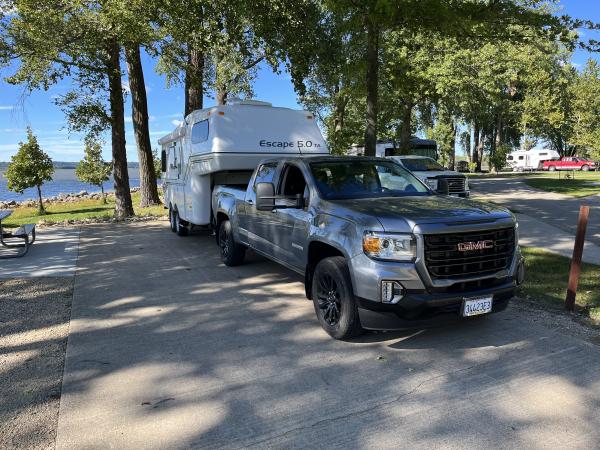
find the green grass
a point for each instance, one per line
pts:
(580, 186)
(546, 280)
(78, 210)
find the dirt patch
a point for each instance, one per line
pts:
(574, 324)
(34, 325)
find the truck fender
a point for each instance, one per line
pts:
(317, 250)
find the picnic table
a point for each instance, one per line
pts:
(25, 233)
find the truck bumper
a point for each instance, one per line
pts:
(423, 304)
(427, 309)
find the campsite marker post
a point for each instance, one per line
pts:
(584, 212)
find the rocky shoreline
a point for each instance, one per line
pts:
(60, 198)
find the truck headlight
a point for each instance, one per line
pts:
(389, 247)
(431, 183)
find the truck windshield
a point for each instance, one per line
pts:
(364, 179)
(421, 164)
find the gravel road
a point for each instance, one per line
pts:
(34, 324)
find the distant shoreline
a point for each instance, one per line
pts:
(67, 165)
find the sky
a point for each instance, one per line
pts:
(165, 105)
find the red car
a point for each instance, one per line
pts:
(570, 163)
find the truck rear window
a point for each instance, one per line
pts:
(364, 179)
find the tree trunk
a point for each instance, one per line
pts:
(123, 205)
(499, 126)
(406, 127)
(372, 87)
(103, 194)
(339, 118)
(41, 209)
(221, 96)
(452, 159)
(194, 80)
(139, 115)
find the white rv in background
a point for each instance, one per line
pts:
(522, 160)
(223, 145)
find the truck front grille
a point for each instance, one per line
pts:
(456, 185)
(443, 258)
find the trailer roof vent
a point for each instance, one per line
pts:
(239, 101)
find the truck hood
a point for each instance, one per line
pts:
(423, 174)
(402, 214)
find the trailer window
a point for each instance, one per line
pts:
(521, 158)
(200, 132)
(510, 157)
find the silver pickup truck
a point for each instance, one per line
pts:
(377, 248)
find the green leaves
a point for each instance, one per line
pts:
(29, 167)
(92, 169)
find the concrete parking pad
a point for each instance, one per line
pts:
(53, 254)
(170, 349)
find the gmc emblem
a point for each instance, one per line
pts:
(479, 245)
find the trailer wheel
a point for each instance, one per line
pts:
(232, 253)
(333, 299)
(180, 225)
(172, 219)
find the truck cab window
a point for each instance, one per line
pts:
(200, 132)
(293, 181)
(265, 173)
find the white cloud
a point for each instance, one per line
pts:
(128, 119)
(5, 108)
(125, 87)
(176, 122)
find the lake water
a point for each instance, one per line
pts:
(64, 182)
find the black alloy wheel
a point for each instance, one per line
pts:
(333, 298)
(329, 299)
(232, 253)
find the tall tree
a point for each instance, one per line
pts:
(51, 41)
(139, 106)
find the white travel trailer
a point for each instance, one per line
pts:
(533, 159)
(222, 145)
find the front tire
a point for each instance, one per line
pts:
(232, 253)
(333, 299)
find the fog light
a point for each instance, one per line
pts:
(391, 292)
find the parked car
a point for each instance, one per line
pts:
(523, 160)
(570, 163)
(377, 249)
(433, 173)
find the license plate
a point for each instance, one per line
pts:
(475, 306)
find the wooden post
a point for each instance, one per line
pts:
(584, 212)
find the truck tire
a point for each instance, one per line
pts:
(180, 225)
(172, 219)
(552, 168)
(232, 253)
(585, 168)
(333, 299)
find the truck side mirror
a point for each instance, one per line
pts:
(265, 196)
(163, 161)
(443, 187)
